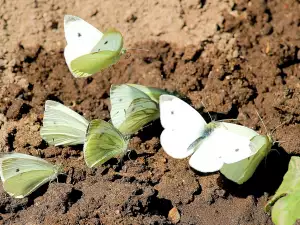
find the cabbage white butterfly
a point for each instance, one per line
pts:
(133, 106)
(62, 126)
(211, 145)
(22, 174)
(103, 142)
(88, 50)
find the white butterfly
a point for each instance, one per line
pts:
(22, 174)
(89, 50)
(212, 145)
(62, 125)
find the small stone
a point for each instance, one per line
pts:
(174, 215)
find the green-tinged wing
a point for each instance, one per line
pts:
(290, 183)
(13, 164)
(112, 40)
(243, 170)
(22, 174)
(285, 203)
(153, 93)
(140, 112)
(89, 64)
(24, 184)
(106, 53)
(121, 96)
(62, 126)
(103, 142)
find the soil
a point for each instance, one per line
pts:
(236, 56)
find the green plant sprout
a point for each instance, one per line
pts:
(284, 205)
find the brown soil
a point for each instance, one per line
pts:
(237, 57)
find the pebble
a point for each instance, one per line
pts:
(174, 215)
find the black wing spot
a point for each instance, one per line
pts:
(236, 150)
(172, 112)
(105, 42)
(99, 50)
(17, 170)
(79, 34)
(120, 100)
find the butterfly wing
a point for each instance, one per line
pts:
(153, 93)
(112, 40)
(62, 126)
(238, 129)
(182, 124)
(241, 171)
(219, 147)
(102, 143)
(140, 112)
(92, 63)
(79, 32)
(81, 38)
(104, 54)
(121, 96)
(22, 174)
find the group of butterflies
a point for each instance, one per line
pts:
(212, 146)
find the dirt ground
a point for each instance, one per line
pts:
(236, 56)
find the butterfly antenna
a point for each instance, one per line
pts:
(229, 120)
(272, 131)
(262, 122)
(211, 119)
(138, 49)
(128, 54)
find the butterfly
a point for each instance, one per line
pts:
(22, 174)
(88, 50)
(101, 140)
(62, 125)
(133, 106)
(211, 145)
